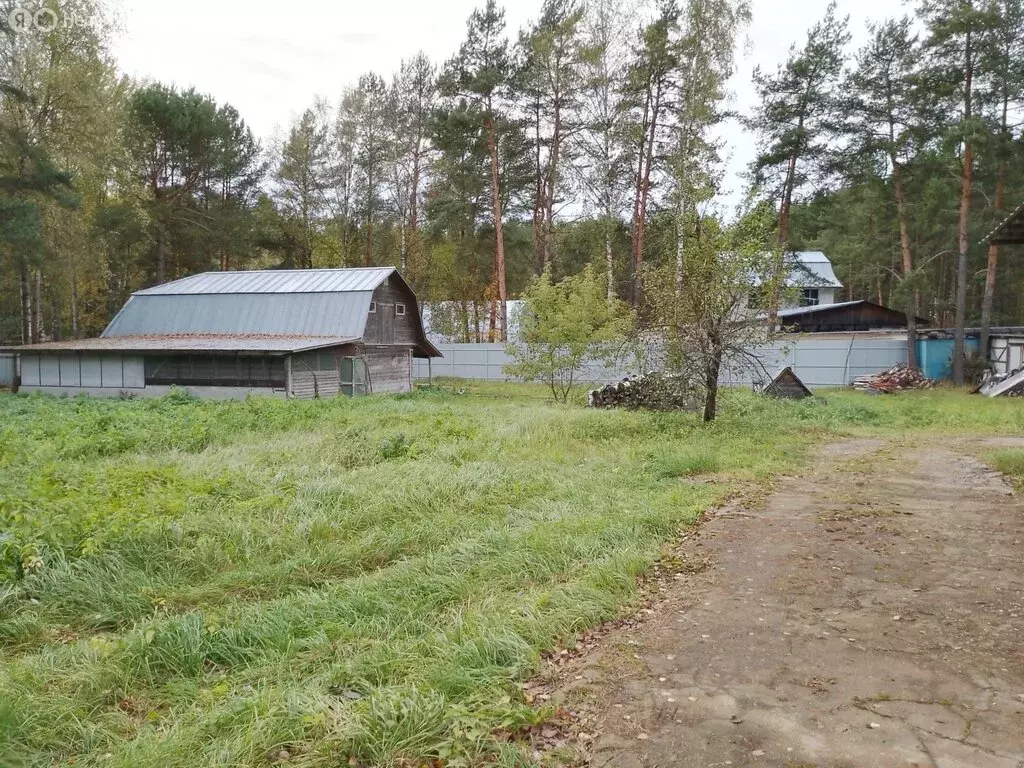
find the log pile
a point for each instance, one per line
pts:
(652, 392)
(896, 379)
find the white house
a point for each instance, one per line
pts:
(812, 275)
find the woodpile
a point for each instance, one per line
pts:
(653, 392)
(896, 379)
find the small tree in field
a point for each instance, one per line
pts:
(709, 320)
(564, 325)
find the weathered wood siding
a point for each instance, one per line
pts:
(316, 374)
(390, 368)
(385, 325)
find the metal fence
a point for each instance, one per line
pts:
(825, 360)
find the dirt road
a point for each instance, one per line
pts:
(871, 613)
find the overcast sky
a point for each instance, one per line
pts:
(269, 59)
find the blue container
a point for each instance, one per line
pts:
(935, 356)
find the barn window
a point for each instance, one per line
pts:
(373, 307)
(809, 297)
(352, 376)
(399, 309)
(215, 371)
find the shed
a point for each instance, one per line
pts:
(295, 333)
(843, 316)
(786, 384)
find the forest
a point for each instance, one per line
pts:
(592, 136)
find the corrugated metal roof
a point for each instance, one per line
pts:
(811, 269)
(818, 308)
(234, 343)
(275, 281)
(1010, 231)
(303, 314)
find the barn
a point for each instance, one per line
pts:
(843, 316)
(289, 333)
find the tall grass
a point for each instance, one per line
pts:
(196, 583)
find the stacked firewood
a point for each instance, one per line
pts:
(653, 392)
(897, 378)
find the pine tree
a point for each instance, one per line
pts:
(796, 120)
(1003, 62)
(649, 81)
(477, 79)
(883, 127)
(956, 36)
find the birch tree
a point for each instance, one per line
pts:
(601, 144)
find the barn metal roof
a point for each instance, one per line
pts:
(199, 343)
(275, 281)
(302, 314)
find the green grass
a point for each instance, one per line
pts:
(190, 583)
(1011, 463)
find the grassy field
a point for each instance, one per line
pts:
(189, 583)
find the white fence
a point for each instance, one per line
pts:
(822, 360)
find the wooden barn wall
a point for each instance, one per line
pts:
(315, 374)
(847, 319)
(385, 326)
(390, 368)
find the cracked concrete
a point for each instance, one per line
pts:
(871, 614)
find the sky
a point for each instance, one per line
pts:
(270, 59)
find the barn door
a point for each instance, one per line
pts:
(387, 324)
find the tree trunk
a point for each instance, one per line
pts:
(414, 214)
(991, 268)
(499, 250)
(645, 190)
(26, 303)
(161, 256)
(403, 247)
(959, 348)
(609, 260)
(714, 367)
(775, 304)
(537, 220)
(549, 191)
(908, 263)
(993, 250)
(680, 243)
(37, 308)
(74, 303)
(636, 253)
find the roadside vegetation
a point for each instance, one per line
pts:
(359, 582)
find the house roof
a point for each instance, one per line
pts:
(1010, 230)
(811, 269)
(241, 344)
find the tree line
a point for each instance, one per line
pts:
(587, 137)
